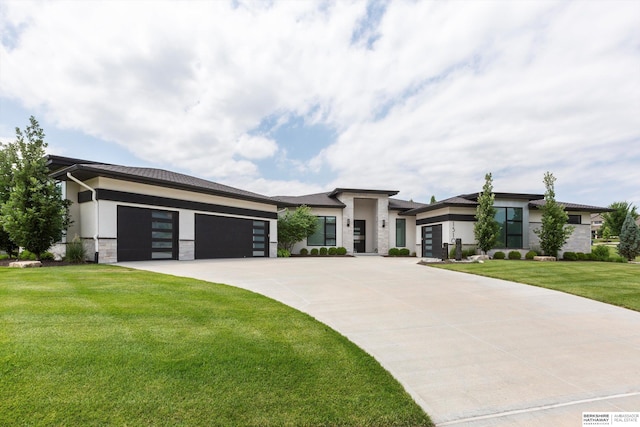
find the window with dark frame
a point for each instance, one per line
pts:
(401, 232)
(575, 219)
(510, 220)
(325, 234)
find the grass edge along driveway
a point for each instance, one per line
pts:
(96, 345)
(612, 283)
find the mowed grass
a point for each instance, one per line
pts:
(104, 345)
(613, 283)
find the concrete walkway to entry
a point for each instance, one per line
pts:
(472, 351)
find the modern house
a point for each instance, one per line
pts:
(126, 213)
(371, 221)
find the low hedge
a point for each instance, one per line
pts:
(515, 255)
(499, 255)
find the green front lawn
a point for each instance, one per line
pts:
(613, 283)
(101, 345)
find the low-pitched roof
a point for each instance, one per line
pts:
(471, 200)
(318, 200)
(572, 207)
(404, 205)
(152, 176)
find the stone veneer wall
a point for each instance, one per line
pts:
(579, 241)
(108, 250)
(186, 250)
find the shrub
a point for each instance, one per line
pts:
(283, 253)
(394, 252)
(304, 251)
(515, 255)
(601, 253)
(569, 256)
(531, 254)
(341, 251)
(452, 252)
(324, 251)
(404, 252)
(25, 255)
(618, 259)
(468, 252)
(75, 251)
(581, 256)
(333, 251)
(591, 257)
(3, 257)
(314, 252)
(47, 256)
(499, 255)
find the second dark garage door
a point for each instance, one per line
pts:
(227, 237)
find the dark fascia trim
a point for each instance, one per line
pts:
(55, 163)
(337, 191)
(438, 205)
(92, 173)
(311, 205)
(517, 196)
(447, 217)
(143, 199)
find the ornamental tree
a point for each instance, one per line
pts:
(554, 232)
(614, 220)
(34, 215)
(296, 226)
(629, 246)
(486, 228)
(6, 179)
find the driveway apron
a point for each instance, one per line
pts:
(471, 351)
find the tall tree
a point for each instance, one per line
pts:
(34, 215)
(614, 220)
(554, 232)
(6, 182)
(296, 226)
(433, 200)
(486, 228)
(629, 246)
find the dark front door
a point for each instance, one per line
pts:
(359, 231)
(432, 241)
(145, 234)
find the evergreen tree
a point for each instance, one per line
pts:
(629, 246)
(486, 228)
(296, 226)
(614, 220)
(433, 200)
(34, 215)
(554, 232)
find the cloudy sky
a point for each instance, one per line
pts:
(296, 97)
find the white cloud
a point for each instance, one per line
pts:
(446, 92)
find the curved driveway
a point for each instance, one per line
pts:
(472, 351)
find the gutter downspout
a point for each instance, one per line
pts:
(94, 198)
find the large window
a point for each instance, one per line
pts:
(510, 220)
(325, 234)
(401, 232)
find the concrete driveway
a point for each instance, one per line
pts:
(471, 351)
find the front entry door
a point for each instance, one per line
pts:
(359, 227)
(432, 241)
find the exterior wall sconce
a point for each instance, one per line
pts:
(348, 222)
(384, 223)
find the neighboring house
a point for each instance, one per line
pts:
(596, 225)
(129, 213)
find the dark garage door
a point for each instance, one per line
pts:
(226, 237)
(145, 234)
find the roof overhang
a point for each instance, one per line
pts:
(337, 191)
